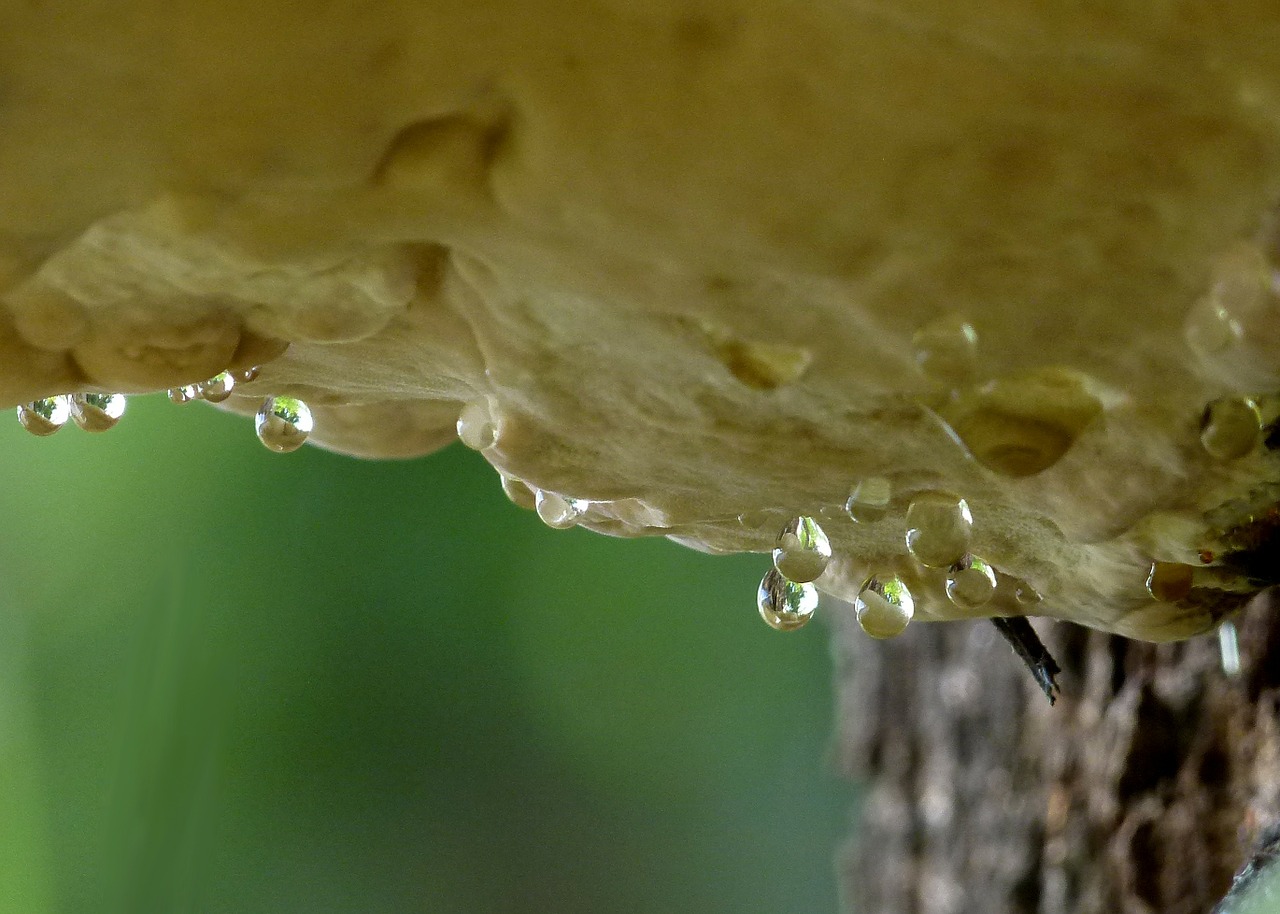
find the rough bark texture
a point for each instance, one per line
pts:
(1147, 786)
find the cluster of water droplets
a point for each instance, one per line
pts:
(786, 597)
(93, 412)
(282, 423)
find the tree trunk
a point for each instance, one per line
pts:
(1148, 785)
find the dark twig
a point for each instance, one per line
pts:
(1027, 645)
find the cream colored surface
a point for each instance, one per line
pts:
(687, 250)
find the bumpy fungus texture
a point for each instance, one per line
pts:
(698, 261)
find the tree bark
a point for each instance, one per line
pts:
(1148, 785)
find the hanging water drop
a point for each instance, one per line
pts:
(947, 350)
(1230, 427)
(248, 375)
(97, 412)
(785, 605)
(884, 606)
(283, 423)
(868, 501)
(558, 512)
(477, 427)
(939, 528)
(971, 582)
(218, 388)
(1169, 582)
(518, 491)
(802, 550)
(45, 416)
(184, 394)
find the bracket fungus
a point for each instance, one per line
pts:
(696, 270)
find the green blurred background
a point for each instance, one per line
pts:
(234, 681)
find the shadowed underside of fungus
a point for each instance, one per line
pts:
(701, 267)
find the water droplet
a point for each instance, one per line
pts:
(97, 412)
(868, 501)
(218, 388)
(1169, 582)
(476, 425)
(1235, 329)
(802, 550)
(521, 495)
(947, 349)
(557, 511)
(939, 528)
(248, 376)
(884, 606)
(184, 394)
(1230, 427)
(45, 416)
(283, 423)
(760, 518)
(785, 605)
(1025, 594)
(971, 582)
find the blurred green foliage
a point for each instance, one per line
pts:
(233, 681)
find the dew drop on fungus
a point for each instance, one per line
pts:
(518, 491)
(884, 606)
(218, 388)
(97, 412)
(283, 423)
(1234, 329)
(939, 528)
(971, 582)
(1230, 427)
(248, 376)
(1169, 582)
(785, 605)
(45, 416)
(802, 550)
(556, 511)
(947, 349)
(1025, 594)
(477, 428)
(868, 501)
(184, 394)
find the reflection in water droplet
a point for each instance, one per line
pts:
(939, 528)
(868, 501)
(521, 495)
(1169, 582)
(218, 388)
(802, 550)
(97, 412)
(785, 605)
(45, 416)
(184, 394)
(283, 423)
(884, 606)
(947, 349)
(477, 427)
(1229, 648)
(1230, 427)
(971, 582)
(557, 511)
